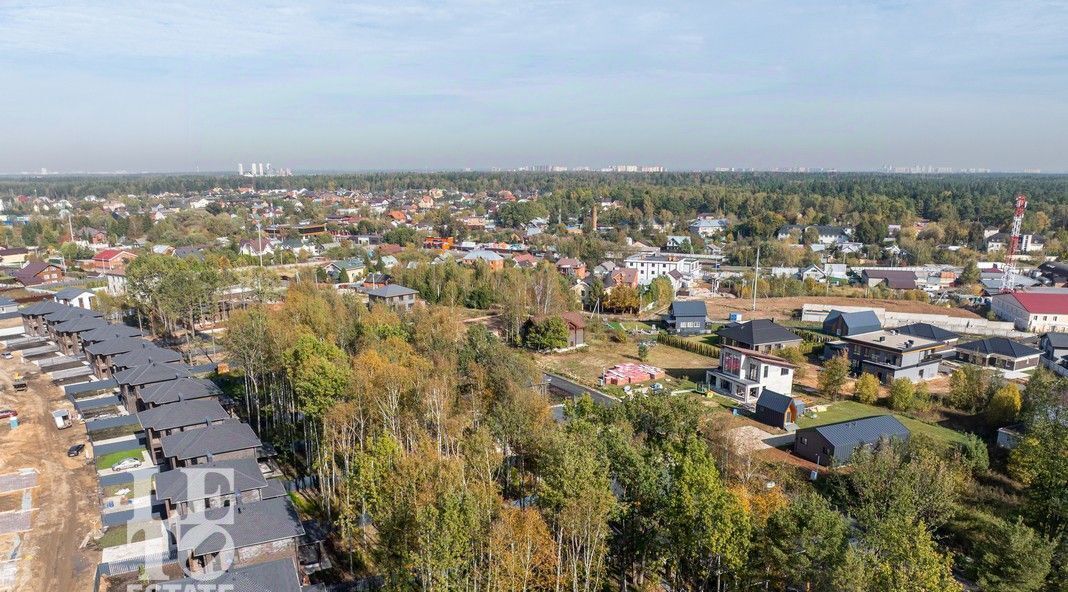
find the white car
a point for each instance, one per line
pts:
(125, 464)
(7, 355)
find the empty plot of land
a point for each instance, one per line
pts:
(17, 481)
(783, 308)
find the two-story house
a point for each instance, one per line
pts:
(186, 388)
(394, 296)
(222, 441)
(131, 380)
(687, 317)
(653, 265)
(218, 484)
(160, 422)
(890, 355)
(760, 335)
(743, 374)
(253, 530)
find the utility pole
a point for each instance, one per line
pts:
(756, 275)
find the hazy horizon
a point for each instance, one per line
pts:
(411, 86)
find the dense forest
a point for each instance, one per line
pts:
(441, 468)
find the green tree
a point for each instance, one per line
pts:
(969, 275)
(546, 334)
(799, 543)
(622, 299)
(902, 394)
(968, 387)
(866, 390)
(1014, 558)
(901, 556)
(1004, 405)
(833, 377)
(643, 351)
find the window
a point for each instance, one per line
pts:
(765, 371)
(784, 372)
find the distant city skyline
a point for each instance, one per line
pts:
(484, 84)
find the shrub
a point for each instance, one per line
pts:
(703, 349)
(867, 389)
(974, 453)
(902, 394)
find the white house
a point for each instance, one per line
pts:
(708, 227)
(79, 297)
(653, 265)
(743, 374)
(1038, 311)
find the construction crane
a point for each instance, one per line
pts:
(1009, 283)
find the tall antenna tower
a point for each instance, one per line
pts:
(1009, 283)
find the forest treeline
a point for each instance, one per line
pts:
(442, 468)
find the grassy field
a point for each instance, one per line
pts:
(683, 368)
(105, 462)
(847, 410)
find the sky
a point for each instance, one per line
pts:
(449, 84)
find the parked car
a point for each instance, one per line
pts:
(126, 463)
(6, 413)
(8, 355)
(75, 450)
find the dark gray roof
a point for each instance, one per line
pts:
(689, 308)
(248, 524)
(110, 332)
(70, 293)
(999, 346)
(182, 414)
(80, 324)
(118, 345)
(182, 389)
(150, 373)
(279, 575)
(391, 291)
(848, 435)
(1056, 339)
(774, 401)
(42, 307)
(927, 331)
(146, 355)
(758, 332)
(229, 436)
(69, 312)
(861, 321)
(222, 477)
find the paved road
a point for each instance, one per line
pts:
(575, 389)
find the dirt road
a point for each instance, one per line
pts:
(65, 497)
(783, 308)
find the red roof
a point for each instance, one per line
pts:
(109, 254)
(1042, 303)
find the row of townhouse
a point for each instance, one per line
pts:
(209, 467)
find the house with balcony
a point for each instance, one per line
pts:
(890, 355)
(761, 335)
(743, 374)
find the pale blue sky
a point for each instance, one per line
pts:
(478, 83)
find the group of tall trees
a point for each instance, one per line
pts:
(440, 467)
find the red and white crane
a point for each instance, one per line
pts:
(1009, 283)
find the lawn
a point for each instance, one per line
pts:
(117, 535)
(847, 410)
(106, 461)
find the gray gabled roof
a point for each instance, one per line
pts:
(391, 291)
(861, 321)
(927, 331)
(150, 373)
(222, 477)
(229, 436)
(146, 355)
(119, 345)
(181, 389)
(848, 435)
(774, 401)
(279, 575)
(1057, 339)
(80, 325)
(1000, 346)
(110, 332)
(182, 415)
(689, 308)
(247, 524)
(41, 308)
(70, 293)
(758, 332)
(69, 312)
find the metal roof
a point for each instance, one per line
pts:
(758, 332)
(689, 308)
(848, 435)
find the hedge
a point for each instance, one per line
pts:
(703, 349)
